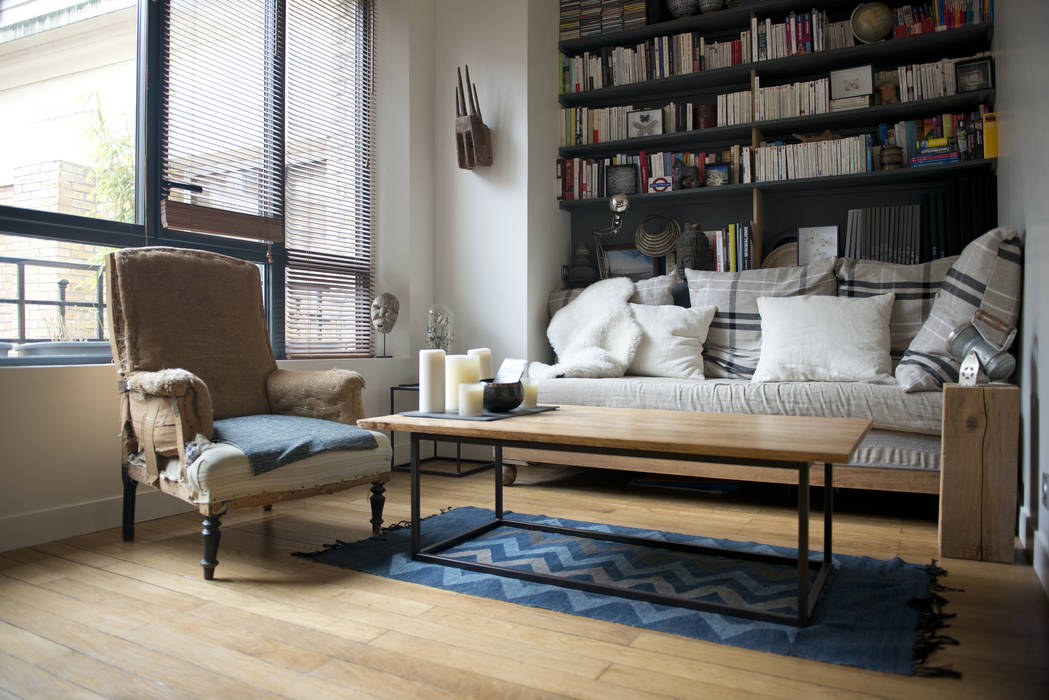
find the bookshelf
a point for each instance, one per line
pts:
(749, 199)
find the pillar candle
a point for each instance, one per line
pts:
(531, 393)
(458, 369)
(471, 399)
(485, 356)
(431, 381)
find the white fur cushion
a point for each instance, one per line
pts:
(671, 340)
(824, 339)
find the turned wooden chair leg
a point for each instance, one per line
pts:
(268, 507)
(211, 536)
(130, 490)
(378, 500)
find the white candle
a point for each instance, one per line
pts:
(531, 393)
(471, 399)
(431, 381)
(458, 369)
(485, 356)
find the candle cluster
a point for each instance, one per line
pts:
(452, 383)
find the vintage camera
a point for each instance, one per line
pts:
(983, 343)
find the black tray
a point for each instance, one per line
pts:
(486, 416)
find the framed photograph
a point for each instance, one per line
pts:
(975, 74)
(624, 260)
(817, 243)
(644, 122)
(851, 82)
(621, 179)
(717, 175)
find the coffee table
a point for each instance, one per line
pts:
(785, 442)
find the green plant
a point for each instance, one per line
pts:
(114, 171)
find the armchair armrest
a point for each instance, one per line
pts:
(167, 408)
(333, 394)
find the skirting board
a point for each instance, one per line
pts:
(28, 529)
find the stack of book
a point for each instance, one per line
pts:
(589, 18)
(611, 16)
(797, 34)
(791, 100)
(584, 178)
(924, 81)
(733, 247)
(735, 108)
(964, 130)
(791, 161)
(854, 102)
(839, 35)
(633, 14)
(935, 151)
(889, 234)
(569, 23)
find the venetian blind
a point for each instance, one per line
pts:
(222, 118)
(329, 191)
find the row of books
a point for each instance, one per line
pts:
(583, 178)
(580, 18)
(791, 161)
(735, 108)
(924, 81)
(792, 99)
(968, 135)
(733, 247)
(689, 52)
(589, 125)
(889, 234)
(909, 20)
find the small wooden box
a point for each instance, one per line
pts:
(978, 471)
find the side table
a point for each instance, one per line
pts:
(978, 471)
(459, 461)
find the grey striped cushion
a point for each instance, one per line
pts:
(915, 287)
(985, 276)
(733, 343)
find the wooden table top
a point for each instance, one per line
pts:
(745, 436)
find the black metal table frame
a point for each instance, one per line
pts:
(459, 461)
(807, 595)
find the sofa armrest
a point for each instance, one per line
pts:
(167, 408)
(334, 394)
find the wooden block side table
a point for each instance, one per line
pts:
(978, 471)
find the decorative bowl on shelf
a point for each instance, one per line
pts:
(503, 396)
(710, 5)
(871, 21)
(682, 8)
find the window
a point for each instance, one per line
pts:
(263, 133)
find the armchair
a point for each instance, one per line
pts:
(193, 357)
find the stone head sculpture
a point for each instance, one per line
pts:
(385, 308)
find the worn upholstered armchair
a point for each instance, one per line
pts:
(206, 414)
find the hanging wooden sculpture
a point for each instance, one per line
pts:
(473, 142)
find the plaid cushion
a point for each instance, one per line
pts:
(915, 287)
(734, 341)
(985, 276)
(653, 291)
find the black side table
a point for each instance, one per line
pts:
(459, 461)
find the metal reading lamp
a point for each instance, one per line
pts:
(969, 343)
(617, 203)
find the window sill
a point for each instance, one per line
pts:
(89, 352)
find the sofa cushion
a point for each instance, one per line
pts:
(734, 341)
(824, 339)
(885, 404)
(654, 291)
(986, 276)
(671, 340)
(915, 287)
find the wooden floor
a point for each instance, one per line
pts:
(94, 616)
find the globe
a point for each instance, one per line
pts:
(871, 21)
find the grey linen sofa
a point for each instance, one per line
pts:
(902, 451)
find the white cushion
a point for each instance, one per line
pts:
(824, 339)
(672, 340)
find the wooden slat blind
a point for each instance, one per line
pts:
(330, 140)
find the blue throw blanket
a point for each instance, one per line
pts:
(271, 441)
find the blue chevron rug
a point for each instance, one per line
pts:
(878, 615)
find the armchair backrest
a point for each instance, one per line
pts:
(172, 308)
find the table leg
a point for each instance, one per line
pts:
(803, 544)
(828, 512)
(416, 517)
(498, 457)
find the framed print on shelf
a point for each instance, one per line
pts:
(644, 122)
(624, 260)
(851, 82)
(974, 74)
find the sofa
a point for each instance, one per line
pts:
(780, 341)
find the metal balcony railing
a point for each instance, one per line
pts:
(62, 304)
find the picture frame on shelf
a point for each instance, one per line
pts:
(851, 82)
(717, 175)
(621, 179)
(974, 74)
(817, 243)
(624, 260)
(644, 122)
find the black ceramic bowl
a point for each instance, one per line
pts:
(503, 397)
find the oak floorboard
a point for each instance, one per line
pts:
(275, 624)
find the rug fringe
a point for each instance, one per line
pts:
(932, 620)
(339, 544)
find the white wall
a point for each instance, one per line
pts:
(1021, 55)
(488, 242)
